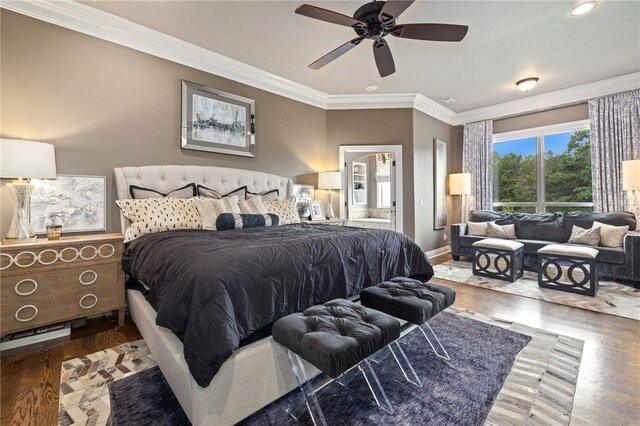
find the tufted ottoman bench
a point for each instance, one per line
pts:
(336, 337)
(412, 301)
(498, 258)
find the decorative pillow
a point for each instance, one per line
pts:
(266, 196)
(501, 231)
(140, 193)
(477, 228)
(157, 215)
(227, 221)
(210, 208)
(203, 191)
(611, 236)
(588, 237)
(253, 205)
(286, 210)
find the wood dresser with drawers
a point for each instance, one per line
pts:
(48, 282)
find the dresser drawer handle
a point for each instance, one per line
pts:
(93, 280)
(35, 313)
(26, 293)
(111, 251)
(95, 301)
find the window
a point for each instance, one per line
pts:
(383, 195)
(543, 169)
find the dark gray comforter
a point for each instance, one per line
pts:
(213, 289)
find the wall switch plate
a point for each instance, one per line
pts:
(445, 237)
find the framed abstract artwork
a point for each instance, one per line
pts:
(439, 184)
(217, 121)
(303, 194)
(75, 202)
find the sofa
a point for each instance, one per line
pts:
(536, 230)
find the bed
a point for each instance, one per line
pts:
(241, 380)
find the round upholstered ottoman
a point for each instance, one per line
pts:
(568, 268)
(498, 258)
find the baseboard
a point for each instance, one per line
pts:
(438, 251)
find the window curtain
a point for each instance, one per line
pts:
(615, 137)
(477, 159)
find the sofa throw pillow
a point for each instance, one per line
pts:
(228, 221)
(210, 208)
(272, 195)
(611, 236)
(253, 205)
(140, 193)
(507, 232)
(477, 228)
(203, 191)
(158, 215)
(587, 237)
(286, 210)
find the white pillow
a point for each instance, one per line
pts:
(210, 208)
(611, 236)
(507, 232)
(478, 229)
(152, 215)
(253, 205)
(286, 210)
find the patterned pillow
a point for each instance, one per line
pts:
(203, 191)
(286, 210)
(157, 215)
(210, 208)
(272, 195)
(228, 221)
(253, 205)
(611, 236)
(140, 193)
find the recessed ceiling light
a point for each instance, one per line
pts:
(527, 84)
(449, 100)
(583, 8)
(371, 88)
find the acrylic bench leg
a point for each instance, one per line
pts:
(446, 354)
(405, 365)
(374, 386)
(308, 393)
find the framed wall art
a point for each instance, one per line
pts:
(217, 121)
(303, 194)
(75, 202)
(439, 184)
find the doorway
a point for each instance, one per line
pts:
(371, 195)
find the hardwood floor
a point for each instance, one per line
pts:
(606, 394)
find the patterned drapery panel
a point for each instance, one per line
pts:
(477, 159)
(615, 137)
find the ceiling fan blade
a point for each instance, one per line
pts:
(328, 16)
(433, 32)
(335, 53)
(393, 8)
(384, 58)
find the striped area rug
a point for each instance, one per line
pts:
(538, 390)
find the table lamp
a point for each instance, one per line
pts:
(460, 184)
(631, 175)
(24, 160)
(329, 181)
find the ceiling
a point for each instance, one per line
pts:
(507, 41)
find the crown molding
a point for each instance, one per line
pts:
(96, 23)
(91, 21)
(549, 100)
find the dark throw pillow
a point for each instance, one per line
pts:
(140, 193)
(203, 191)
(228, 221)
(272, 195)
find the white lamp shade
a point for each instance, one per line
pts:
(460, 184)
(27, 159)
(329, 180)
(631, 175)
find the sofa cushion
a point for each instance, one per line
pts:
(586, 219)
(532, 226)
(499, 218)
(611, 255)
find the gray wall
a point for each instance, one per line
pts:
(103, 105)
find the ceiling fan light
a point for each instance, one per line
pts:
(527, 84)
(583, 8)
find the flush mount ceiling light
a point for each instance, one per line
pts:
(448, 100)
(371, 88)
(583, 8)
(527, 84)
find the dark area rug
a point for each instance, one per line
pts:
(456, 392)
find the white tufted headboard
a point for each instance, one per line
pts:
(221, 179)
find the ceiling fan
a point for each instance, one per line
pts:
(375, 20)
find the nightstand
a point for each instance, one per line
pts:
(53, 281)
(334, 221)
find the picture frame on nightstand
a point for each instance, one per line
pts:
(315, 207)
